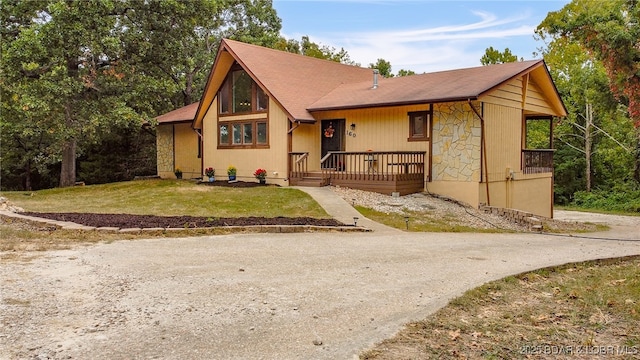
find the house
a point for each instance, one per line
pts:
(462, 133)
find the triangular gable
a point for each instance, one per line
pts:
(293, 81)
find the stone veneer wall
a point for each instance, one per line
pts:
(164, 149)
(456, 143)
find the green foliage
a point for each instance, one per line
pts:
(403, 72)
(538, 132)
(307, 47)
(383, 66)
(582, 79)
(569, 174)
(75, 73)
(608, 31)
(493, 56)
(619, 198)
(120, 155)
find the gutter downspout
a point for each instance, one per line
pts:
(484, 150)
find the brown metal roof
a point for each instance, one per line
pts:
(186, 113)
(453, 85)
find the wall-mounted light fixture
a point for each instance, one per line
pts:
(353, 126)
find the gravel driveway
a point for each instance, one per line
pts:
(258, 296)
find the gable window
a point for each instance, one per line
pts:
(239, 94)
(419, 125)
(243, 134)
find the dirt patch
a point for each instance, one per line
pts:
(128, 221)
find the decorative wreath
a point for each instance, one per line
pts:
(328, 132)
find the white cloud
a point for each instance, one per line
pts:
(430, 48)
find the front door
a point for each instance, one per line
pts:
(332, 139)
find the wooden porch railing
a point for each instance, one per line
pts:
(372, 166)
(537, 161)
(299, 164)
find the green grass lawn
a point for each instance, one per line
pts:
(171, 197)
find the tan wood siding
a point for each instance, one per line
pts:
(377, 129)
(510, 95)
(503, 129)
(177, 149)
(306, 138)
(273, 159)
(536, 101)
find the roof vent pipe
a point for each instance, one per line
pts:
(375, 78)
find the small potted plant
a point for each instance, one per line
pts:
(211, 173)
(178, 173)
(231, 171)
(261, 174)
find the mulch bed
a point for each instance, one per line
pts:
(236, 184)
(127, 221)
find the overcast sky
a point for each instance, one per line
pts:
(418, 35)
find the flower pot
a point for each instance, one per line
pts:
(232, 177)
(212, 179)
(263, 181)
(178, 176)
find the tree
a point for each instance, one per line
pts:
(383, 66)
(403, 72)
(493, 56)
(175, 42)
(77, 71)
(67, 57)
(609, 31)
(307, 47)
(590, 142)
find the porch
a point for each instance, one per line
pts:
(378, 171)
(537, 161)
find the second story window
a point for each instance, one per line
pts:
(239, 94)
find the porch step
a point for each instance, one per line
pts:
(313, 181)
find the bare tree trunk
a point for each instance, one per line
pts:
(68, 169)
(27, 180)
(588, 140)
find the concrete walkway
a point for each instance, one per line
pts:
(341, 210)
